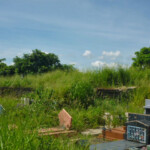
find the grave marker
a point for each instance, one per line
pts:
(1, 109)
(65, 120)
(147, 106)
(27, 101)
(138, 128)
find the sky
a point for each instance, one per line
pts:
(86, 33)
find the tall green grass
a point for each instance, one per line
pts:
(74, 91)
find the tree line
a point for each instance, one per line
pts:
(40, 62)
(35, 62)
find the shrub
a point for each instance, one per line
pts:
(81, 93)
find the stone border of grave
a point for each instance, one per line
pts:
(113, 92)
(14, 90)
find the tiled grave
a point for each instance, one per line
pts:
(136, 134)
(113, 134)
(138, 128)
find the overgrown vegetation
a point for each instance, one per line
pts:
(76, 92)
(142, 58)
(33, 63)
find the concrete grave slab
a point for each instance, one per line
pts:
(65, 120)
(92, 132)
(117, 145)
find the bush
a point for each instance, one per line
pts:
(81, 94)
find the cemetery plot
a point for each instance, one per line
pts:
(136, 133)
(138, 128)
(114, 92)
(65, 122)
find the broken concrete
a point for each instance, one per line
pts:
(93, 132)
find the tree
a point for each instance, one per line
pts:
(36, 62)
(3, 67)
(6, 70)
(3, 59)
(142, 58)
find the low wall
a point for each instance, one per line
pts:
(114, 92)
(14, 91)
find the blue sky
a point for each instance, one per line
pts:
(87, 33)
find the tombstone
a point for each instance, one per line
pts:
(1, 109)
(137, 133)
(27, 101)
(147, 106)
(127, 116)
(65, 120)
(108, 119)
(138, 128)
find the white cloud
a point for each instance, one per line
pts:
(103, 64)
(87, 53)
(97, 64)
(111, 54)
(112, 65)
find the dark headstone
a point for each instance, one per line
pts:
(138, 128)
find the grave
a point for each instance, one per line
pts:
(15, 91)
(114, 92)
(138, 128)
(65, 122)
(113, 134)
(136, 133)
(26, 101)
